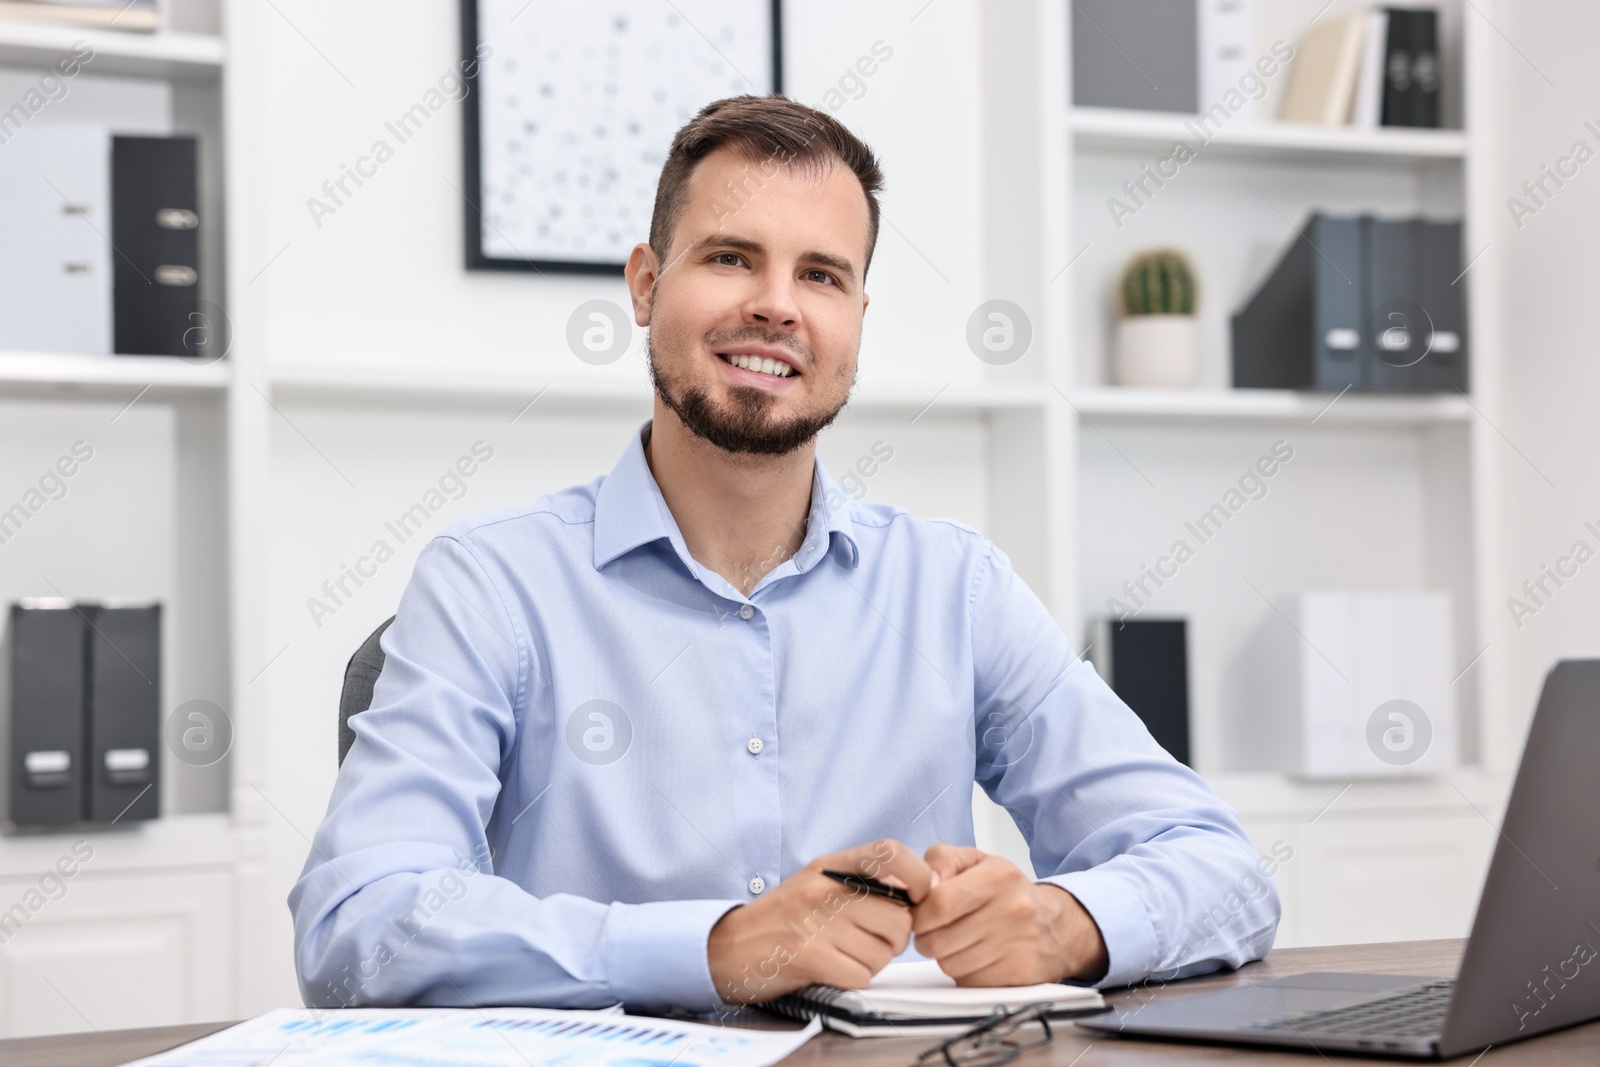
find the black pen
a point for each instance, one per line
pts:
(871, 885)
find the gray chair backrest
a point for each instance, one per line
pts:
(360, 675)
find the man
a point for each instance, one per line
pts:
(620, 733)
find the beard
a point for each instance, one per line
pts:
(745, 424)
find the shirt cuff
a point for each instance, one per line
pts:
(1125, 926)
(655, 953)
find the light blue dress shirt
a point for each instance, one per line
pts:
(585, 748)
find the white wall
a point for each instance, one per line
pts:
(1551, 374)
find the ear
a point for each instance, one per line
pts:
(641, 273)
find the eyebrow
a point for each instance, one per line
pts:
(834, 263)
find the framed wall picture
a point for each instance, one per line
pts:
(572, 107)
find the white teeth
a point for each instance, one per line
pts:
(776, 368)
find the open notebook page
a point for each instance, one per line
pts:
(920, 989)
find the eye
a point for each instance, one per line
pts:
(820, 276)
(724, 258)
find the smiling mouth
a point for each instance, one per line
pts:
(775, 368)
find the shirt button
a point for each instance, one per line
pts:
(757, 885)
(755, 746)
(746, 612)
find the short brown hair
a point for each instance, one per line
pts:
(761, 128)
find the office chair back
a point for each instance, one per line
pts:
(360, 675)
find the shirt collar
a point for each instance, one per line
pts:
(828, 524)
(630, 511)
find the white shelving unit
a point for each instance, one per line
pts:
(1392, 491)
(153, 911)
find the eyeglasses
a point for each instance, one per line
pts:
(996, 1040)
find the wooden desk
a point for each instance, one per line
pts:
(1574, 1046)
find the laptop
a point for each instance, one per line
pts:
(1532, 964)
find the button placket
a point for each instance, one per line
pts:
(760, 817)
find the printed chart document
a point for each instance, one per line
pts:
(490, 1037)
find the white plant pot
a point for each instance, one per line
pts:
(1158, 351)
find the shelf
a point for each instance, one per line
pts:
(149, 55)
(407, 387)
(1259, 795)
(1112, 128)
(170, 842)
(410, 387)
(65, 375)
(956, 396)
(1282, 405)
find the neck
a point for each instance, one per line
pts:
(741, 515)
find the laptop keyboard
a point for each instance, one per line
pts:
(1414, 1012)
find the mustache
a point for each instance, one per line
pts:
(756, 335)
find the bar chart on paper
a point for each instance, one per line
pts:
(453, 1037)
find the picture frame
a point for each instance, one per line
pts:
(570, 109)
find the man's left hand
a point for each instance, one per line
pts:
(988, 924)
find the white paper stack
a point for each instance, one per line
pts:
(1367, 111)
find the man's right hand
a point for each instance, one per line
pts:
(811, 929)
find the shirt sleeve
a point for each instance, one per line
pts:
(398, 902)
(1157, 859)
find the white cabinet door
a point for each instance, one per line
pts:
(117, 950)
(1400, 878)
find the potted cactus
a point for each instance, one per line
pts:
(1158, 334)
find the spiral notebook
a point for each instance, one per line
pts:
(917, 998)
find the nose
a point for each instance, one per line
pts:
(772, 304)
